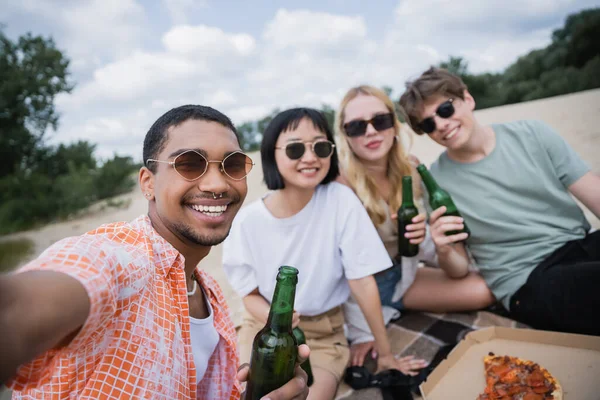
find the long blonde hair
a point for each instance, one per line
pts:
(356, 173)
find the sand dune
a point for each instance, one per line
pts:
(576, 117)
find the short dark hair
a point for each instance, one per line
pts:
(434, 81)
(289, 120)
(156, 138)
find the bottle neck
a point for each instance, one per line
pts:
(428, 180)
(407, 193)
(282, 307)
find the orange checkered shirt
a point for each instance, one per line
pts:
(136, 340)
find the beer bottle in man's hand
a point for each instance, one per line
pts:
(274, 350)
(439, 197)
(406, 213)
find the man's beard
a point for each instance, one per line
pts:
(202, 240)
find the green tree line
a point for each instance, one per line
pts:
(41, 182)
(570, 63)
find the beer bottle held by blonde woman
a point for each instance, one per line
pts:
(406, 213)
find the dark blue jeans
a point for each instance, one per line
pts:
(386, 283)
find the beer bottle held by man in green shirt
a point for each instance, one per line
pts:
(301, 339)
(438, 197)
(274, 350)
(406, 213)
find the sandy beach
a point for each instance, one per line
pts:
(576, 117)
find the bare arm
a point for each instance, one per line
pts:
(39, 310)
(366, 294)
(587, 190)
(454, 261)
(257, 306)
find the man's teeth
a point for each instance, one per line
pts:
(308, 170)
(211, 211)
(451, 134)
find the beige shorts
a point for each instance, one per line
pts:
(324, 335)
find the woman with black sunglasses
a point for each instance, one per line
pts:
(318, 226)
(373, 161)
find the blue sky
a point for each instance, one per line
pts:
(132, 60)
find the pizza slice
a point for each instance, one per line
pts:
(512, 378)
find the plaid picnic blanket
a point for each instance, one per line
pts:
(423, 334)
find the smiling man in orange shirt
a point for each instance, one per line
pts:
(123, 311)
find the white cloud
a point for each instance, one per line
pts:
(92, 31)
(490, 35)
(127, 81)
(193, 56)
(473, 14)
(222, 98)
(180, 10)
(206, 41)
(103, 26)
(141, 72)
(121, 133)
(430, 51)
(300, 57)
(306, 57)
(501, 52)
(248, 112)
(303, 28)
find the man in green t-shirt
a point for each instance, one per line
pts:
(513, 184)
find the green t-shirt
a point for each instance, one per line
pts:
(515, 202)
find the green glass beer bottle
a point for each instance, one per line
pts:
(406, 213)
(274, 350)
(439, 197)
(301, 339)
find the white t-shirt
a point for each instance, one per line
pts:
(204, 338)
(329, 241)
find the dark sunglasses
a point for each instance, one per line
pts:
(321, 148)
(191, 165)
(444, 110)
(358, 127)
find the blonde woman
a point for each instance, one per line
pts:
(373, 161)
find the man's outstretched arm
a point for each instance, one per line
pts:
(39, 310)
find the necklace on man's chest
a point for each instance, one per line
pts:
(194, 289)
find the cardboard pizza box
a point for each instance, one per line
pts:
(573, 359)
